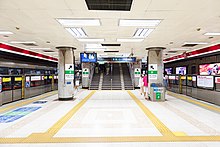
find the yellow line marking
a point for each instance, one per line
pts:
(207, 106)
(158, 124)
(60, 123)
(47, 138)
(179, 133)
(28, 101)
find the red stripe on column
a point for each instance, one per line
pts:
(27, 52)
(194, 53)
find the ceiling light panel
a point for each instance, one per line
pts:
(91, 40)
(39, 48)
(130, 40)
(77, 32)
(195, 43)
(142, 33)
(95, 49)
(78, 22)
(94, 46)
(139, 22)
(5, 32)
(21, 42)
(212, 34)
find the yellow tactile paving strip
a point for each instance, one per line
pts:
(185, 98)
(28, 101)
(168, 136)
(158, 124)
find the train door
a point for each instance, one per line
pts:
(16, 88)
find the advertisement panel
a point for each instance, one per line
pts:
(209, 69)
(181, 70)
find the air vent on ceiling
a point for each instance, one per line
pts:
(112, 5)
(111, 44)
(172, 51)
(48, 51)
(111, 51)
(29, 44)
(189, 45)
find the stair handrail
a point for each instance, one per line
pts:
(91, 75)
(131, 74)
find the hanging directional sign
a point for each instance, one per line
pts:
(152, 71)
(69, 71)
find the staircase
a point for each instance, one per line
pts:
(94, 85)
(116, 79)
(127, 78)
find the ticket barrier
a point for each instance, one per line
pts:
(157, 92)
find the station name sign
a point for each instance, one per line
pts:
(118, 59)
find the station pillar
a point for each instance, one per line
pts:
(66, 73)
(155, 72)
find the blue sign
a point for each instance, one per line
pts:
(16, 114)
(88, 57)
(28, 84)
(68, 83)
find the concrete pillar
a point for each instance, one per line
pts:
(155, 66)
(66, 73)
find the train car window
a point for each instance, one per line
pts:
(3, 70)
(15, 71)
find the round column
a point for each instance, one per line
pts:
(66, 73)
(155, 66)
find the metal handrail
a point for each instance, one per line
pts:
(91, 75)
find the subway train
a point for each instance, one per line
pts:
(19, 80)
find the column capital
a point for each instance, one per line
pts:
(155, 48)
(65, 47)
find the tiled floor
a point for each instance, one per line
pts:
(110, 118)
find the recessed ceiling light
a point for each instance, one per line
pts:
(95, 49)
(179, 49)
(129, 40)
(38, 48)
(142, 33)
(5, 33)
(195, 43)
(139, 22)
(212, 34)
(94, 46)
(91, 40)
(77, 32)
(78, 22)
(20, 42)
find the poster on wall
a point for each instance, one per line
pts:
(169, 70)
(69, 71)
(137, 72)
(217, 80)
(27, 81)
(209, 69)
(181, 70)
(205, 81)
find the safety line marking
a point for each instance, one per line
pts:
(60, 123)
(157, 123)
(27, 101)
(206, 106)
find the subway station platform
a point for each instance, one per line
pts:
(109, 118)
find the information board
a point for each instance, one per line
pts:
(137, 72)
(205, 81)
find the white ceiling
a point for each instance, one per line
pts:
(180, 20)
